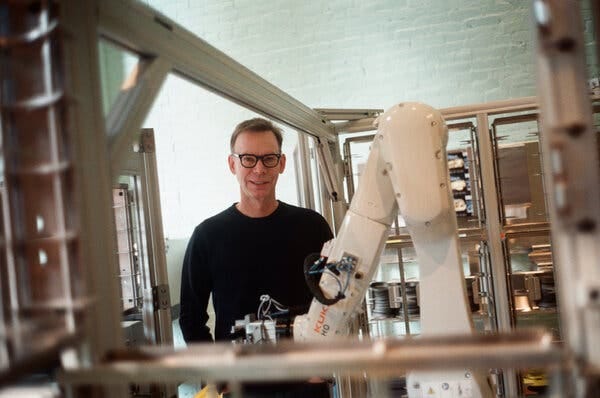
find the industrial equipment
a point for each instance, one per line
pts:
(58, 197)
(407, 172)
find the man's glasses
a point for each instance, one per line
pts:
(249, 161)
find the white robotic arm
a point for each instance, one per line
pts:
(406, 171)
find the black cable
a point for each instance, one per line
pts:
(313, 278)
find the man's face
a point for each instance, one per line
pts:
(258, 182)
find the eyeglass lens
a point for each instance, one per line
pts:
(268, 160)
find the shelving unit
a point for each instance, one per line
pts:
(399, 265)
(494, 156)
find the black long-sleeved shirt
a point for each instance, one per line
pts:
(239, 258)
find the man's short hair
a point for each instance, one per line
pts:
(256, 125)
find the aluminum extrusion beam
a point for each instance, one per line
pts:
(569, 142)
(490, 108)
(356, 126)
(304, 185)
(287, 360)
(348, 114)
(94, 181)
(493, 226)
(453, 113)
(102, 322)
(147, 32)
(156, 244)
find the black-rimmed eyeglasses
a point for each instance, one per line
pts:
(249, 161)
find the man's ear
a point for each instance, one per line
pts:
(282, 163)
(231, 162)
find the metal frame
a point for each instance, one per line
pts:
(141, 165)
(569, 140)
(150, 34)
(78, 159)
(289, 361)
(493, 226)
(304, 184)
(132, 105)
(156, 245)
(453, 113)
(94, 179)
(94, 184)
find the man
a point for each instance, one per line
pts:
(255, 247)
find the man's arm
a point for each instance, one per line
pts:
(195, 291)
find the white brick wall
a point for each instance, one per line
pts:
(341, 54)
(356, 53)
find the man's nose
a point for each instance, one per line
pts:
(259, 167)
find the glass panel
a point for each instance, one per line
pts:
(519, 169)
(532, 283)
(462, 164)
(192, 151)
(527, 247)
(116, 65)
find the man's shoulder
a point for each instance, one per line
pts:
(309, 221)
(297, 212)
(216, 220)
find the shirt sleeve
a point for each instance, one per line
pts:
(195, 291)
(326, 233)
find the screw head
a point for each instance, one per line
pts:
(586, 225)
(575, 130)
(566, 44)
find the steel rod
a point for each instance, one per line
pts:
(288, 360)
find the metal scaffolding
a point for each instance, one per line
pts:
(60, 157)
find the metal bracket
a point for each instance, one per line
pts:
(147, 144)
(330, 178)
(590, 296)
(160, 297)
